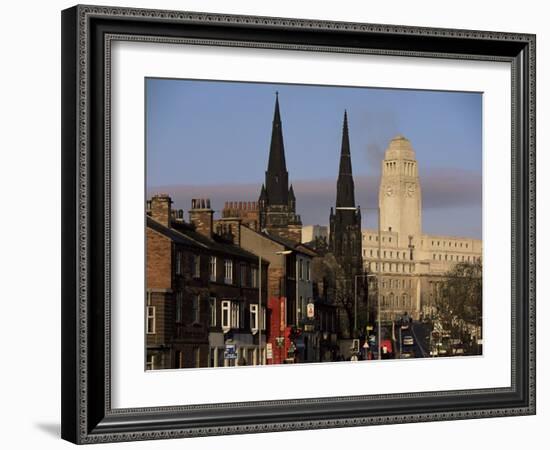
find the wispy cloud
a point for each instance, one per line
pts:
(443, 190)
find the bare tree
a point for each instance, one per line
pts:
(338, 289)
(461, 293)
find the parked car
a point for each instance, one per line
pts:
(444, 346)
(457, 349)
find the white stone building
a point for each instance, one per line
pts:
(311, 232)
(408, 263)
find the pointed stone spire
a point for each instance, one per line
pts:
(263, 194)
(345, 195)
(291, 196)
(276, 177)
(277, 161)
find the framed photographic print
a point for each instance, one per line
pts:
(282, 224)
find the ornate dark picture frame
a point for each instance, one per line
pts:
(87, 415)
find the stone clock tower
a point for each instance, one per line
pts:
(400, 198)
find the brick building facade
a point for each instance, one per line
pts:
(202, 291)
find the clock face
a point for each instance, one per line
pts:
(411, 189)
(389, 190)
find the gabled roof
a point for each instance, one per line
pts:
(187, 236)
(301, 248)
(174, 235)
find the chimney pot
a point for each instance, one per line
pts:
(161, 209)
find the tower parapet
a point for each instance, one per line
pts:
(247, 212)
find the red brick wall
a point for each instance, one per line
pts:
(164, 313)
(161, 206)
(248, 212)
(278, 328)
(274, 283)
(159, 261)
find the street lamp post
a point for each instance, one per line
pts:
(284, 253)
(379, 270)
(260, 316)
(378, 276)
(364, 275)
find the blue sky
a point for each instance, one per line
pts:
(211, 139)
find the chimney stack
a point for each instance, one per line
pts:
(201, 216)
(161, 209)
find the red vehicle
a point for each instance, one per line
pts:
(386, 349)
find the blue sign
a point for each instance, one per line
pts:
(230, 351)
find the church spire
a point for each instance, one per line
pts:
(277, 161)
(345, 196)
(276, 177)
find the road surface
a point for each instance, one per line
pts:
(420, 333)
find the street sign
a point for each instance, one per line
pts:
(310, 310)
(269, 350)
(282, 315)
(230, 351)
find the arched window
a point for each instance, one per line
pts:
(391, 300)
(405, 301)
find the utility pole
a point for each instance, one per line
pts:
(355, 312)
(379, 282)
(260, 315)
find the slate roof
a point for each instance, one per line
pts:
(301, 248)
(185, 234)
